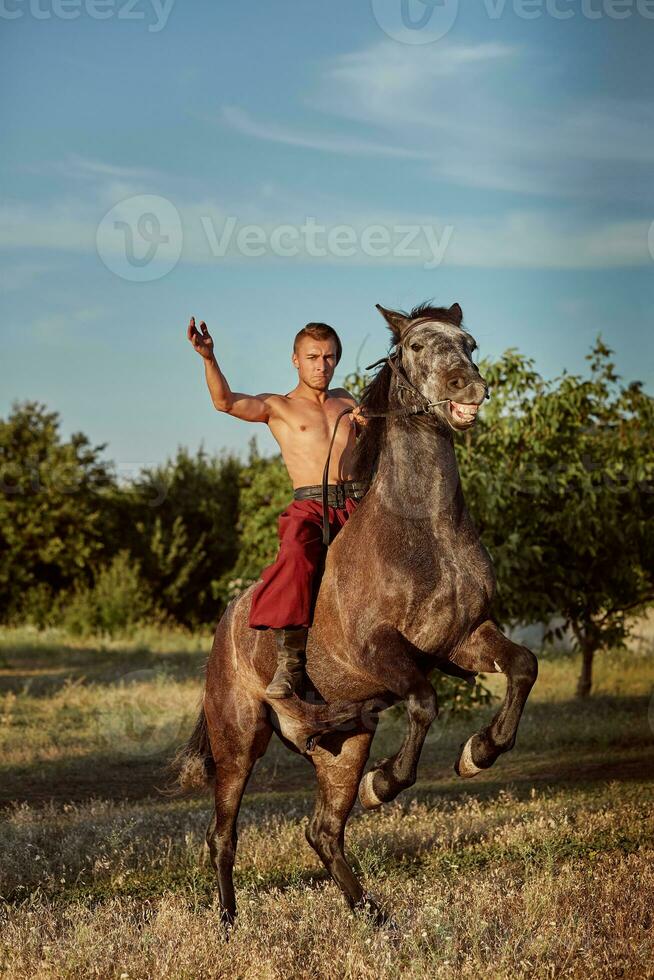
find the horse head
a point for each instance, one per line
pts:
(435, 353)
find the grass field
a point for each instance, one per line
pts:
(541, 867)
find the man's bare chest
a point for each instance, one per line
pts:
(310, 424)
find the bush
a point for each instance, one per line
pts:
(179, 520)
(38, 606)
(118, 600)
(53, 497)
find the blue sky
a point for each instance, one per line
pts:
(515, 143)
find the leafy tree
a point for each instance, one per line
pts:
(179, 521)
(559, 477)
(52, 498)
(265, 490)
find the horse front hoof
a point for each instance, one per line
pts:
(367, 796)
(465, 765)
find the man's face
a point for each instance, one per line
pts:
(315, 361)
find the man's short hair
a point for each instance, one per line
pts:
(319, 331)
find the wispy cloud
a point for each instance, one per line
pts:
(461, 110)
(517, 239)
(536, 236)
(244, 123)
(77, 167)
(65, 224)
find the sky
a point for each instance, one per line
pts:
(264, 165)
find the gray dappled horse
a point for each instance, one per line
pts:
(406, 588)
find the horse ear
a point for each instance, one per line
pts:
(396, 322)
(457, 313)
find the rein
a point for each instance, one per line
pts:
(403, 382)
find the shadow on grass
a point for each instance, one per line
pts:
(89, 777)
(98, 776)
(102, 775)
(41, 675)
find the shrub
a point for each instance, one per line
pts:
(118, 600)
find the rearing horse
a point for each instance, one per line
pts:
(407, 587)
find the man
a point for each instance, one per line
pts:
(302, 423)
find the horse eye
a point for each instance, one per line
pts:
(416, 347)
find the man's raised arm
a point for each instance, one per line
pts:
(250, 408)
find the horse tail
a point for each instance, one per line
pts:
(194, 765)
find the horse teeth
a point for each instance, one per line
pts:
(467, 411)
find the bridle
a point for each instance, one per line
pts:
(402, 382)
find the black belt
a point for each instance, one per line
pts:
(337, 493)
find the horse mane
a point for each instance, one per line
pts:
(440, 313)
(376, 398)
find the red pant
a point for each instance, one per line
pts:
(287, 595)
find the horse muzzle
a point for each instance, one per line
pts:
(462, 412)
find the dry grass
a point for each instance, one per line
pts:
(541, 868)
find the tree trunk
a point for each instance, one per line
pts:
(586, 675)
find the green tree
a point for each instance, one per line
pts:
(265, 490)
(559, 477)
(52, 501)
(179, 521)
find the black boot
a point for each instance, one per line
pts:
(291, 644)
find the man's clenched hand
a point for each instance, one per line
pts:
(358, 417)
(203, 344)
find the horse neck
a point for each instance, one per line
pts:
(417, 472)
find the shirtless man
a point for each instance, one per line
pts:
(302, 423)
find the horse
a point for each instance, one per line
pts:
(406, 587)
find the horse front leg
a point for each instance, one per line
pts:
(387, 657)
(489, 650)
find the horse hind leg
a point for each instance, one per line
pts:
(339, 761)
(488, 650)
(235, 749)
